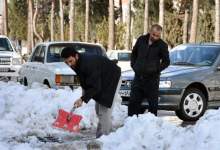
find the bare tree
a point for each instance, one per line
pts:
(111, 20)
(61, 21)
(161, 14)
(217, 21)
(30, 35)
(194, 21)
(71, 17)
(87, 21)
(185, 26)
(35, 21)
(5, 16)
(146, 16)
(120, 10)
(128, 32)
(52, 20)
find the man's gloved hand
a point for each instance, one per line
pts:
(78, 103)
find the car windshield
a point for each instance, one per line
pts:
(54, 51)
(194, 55)
(5, 45)
(124, 56)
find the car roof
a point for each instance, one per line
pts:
(3, 36)
(68, 42)
(202, 44)
(119, 51)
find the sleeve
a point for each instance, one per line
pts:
(93, 83)
(134, 53)
(164, 56)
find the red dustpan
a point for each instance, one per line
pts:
(68, 120)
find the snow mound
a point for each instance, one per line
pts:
(152, 133)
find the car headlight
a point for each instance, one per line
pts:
(16, 61)
(66, 79)
(165, 84)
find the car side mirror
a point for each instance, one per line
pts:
(115, 61)
(39, 59)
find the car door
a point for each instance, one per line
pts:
(29, 70)
(40, 66)
(36, 62)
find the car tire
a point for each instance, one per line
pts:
(47, 84)
(25, 83)
(192, 106)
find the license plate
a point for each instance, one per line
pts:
(125, 93)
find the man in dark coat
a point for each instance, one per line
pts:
(149, 57)
(99, 78)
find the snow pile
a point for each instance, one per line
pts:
(151, 133)
(31, 111)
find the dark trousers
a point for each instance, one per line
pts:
(144, 88)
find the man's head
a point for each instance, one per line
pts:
(70, 56)
(155, 32)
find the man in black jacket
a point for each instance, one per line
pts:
(99, 78)
(149, 57)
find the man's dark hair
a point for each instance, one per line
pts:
(157, 27)
(68, 51)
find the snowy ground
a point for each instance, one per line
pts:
(27, 115)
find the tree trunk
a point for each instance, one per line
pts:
(52, 20)
(61, 21)
(5, 16)
(146, 15)
(111, 39)
(128, 31)
(217, 21)
(194, 21)
(161, 14)
(185, 27)
(35, 21)
(120, 10)
(30, 38)
(71, 17)
(87, 22)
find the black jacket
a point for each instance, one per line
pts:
(99, 78)
(149, 60)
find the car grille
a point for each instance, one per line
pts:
(4, 69)
(5, 60)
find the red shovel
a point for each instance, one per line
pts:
(68, 120)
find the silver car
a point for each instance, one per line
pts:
(190, 85)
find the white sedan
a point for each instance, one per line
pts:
(47, 67)
(122, 57)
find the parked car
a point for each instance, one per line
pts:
(190, 85)
(122, 57)
(46, 66)
(10, 59)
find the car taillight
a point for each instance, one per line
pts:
(58, 78)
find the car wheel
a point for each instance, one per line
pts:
(192, 106)
(25, 83)
(47, 84)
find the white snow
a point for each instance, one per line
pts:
(150, 133)
(30, 112)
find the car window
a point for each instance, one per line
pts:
(124, 56)
(54, 51)
(5, 45)
(39, 54)
(89, 49)
(194, 55)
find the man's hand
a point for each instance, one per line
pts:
(78, 103)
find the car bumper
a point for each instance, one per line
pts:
(9, 71)
(169, 99)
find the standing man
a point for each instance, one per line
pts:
(149, 57)
(99, 78)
